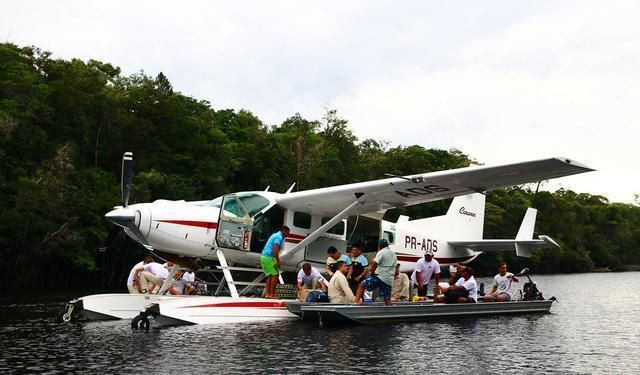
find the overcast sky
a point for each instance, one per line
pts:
(503, 81)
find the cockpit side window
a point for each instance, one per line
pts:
(253, 203)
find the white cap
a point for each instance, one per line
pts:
(453, 269)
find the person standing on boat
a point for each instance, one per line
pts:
(382, 272)
(465, 289)
(426, 267)
(339, 291)
(501, 291)
(400, 287)
(132, 283)
(359, 266)
(270, 260)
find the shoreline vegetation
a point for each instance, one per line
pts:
(64, 125)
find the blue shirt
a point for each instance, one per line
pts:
(362, 260)
(276, 238)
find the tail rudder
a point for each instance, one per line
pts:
(464, 219)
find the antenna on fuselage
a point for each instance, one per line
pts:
(290, 188)
(267, 189)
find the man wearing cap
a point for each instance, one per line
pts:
(426, 267)
(465, 290)
(383, 269)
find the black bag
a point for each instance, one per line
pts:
(451, 296)
(317, 296)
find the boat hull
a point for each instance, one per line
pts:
(411, 311)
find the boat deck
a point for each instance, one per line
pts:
(409, 311)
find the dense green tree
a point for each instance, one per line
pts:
(64, 125)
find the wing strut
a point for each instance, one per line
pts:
(328, 225)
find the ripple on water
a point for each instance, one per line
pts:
(594, 329)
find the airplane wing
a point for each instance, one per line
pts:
(521, 247)
(426, 187)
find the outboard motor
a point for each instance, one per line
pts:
(530, 289)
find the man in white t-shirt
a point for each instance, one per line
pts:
(465, 289)
(310, 278)
(153, 274)
(426, 267)
(501, 291)
(136, 288)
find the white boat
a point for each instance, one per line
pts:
(212, 310)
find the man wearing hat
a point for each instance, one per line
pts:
(426, 267)
(383, 269)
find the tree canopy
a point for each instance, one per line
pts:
(64, 126)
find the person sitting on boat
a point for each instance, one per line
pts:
(133, 284)
(339, 291)
(189, 278)
(426, 267)
(153, 275)
(400, 287)
(382, 272)
(179, 285)
(309, 278)
(333, 258)
(359, 266)
(501, 291)
(465, 289)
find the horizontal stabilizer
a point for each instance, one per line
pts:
(522, 247)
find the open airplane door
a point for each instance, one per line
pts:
(234, 224)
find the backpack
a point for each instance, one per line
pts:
(317, 296)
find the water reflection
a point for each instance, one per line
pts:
(595, 328)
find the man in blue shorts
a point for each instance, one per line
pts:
(270, 260)
(383, 269)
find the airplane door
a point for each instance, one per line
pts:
(234, 224)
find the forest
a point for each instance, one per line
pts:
(64, 125)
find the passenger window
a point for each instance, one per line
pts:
(336, 229)
(388, 236)
(301, 220)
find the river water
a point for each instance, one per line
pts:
(594, 329)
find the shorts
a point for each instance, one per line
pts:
(269, 265)
(373, 282)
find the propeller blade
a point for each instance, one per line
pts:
(113, 233)
(132, 228)
(127, 160)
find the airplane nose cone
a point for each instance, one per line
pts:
(121, 216)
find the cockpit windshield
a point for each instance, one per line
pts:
(252, 202)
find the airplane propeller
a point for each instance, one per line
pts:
(125, 184)
(124, 216)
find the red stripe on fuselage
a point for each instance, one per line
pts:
(263, 304)
(191, 223)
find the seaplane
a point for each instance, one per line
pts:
(232, 229)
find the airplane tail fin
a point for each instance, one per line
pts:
(523, 244)
(464, 219)
(526, 232)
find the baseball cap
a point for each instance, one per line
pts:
(383, 242)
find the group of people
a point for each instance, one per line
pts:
(148, 276)
(350, 275)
